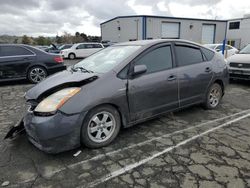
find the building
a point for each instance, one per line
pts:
(238, 31)
(139, 27)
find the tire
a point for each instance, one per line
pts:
(72, 56)
(98, 132)
(36, 74)
(213, 96)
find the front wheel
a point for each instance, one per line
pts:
(100, 127)
(213, 97)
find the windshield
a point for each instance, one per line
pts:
(245, 50)
(106, 59)
(211, 46)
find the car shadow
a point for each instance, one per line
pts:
(240, 82)
(14, 82)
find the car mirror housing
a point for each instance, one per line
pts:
(139, 69)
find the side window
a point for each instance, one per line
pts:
(123, 73)
(14, 51)
(209, 54)
(88, 46)
(97, 46)
(187, 55)
(81, 46)
(157, 60)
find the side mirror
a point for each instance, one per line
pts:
(139, 69)
(218, 50)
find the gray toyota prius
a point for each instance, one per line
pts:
(120, 86)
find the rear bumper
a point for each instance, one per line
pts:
(58, 68)
(54, 134)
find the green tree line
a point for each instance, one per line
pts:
(66, 38)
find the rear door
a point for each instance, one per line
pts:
(14, 61)
(194, 73)
(156, 90)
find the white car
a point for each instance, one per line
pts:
(239, 64)
(229, 50)
(81, 50)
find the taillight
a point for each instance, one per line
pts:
(58, 59)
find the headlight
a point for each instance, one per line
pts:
(56, 100)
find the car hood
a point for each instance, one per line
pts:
(239, 58)
(58, 81)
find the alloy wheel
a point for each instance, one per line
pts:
(101, 127)
(214, 97)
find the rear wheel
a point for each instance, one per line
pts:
(36, 74)
(100, 127)
(72, 56)
(214, 96)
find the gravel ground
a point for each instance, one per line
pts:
(189, 148)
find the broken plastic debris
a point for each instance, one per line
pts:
(5, 183)
(77, 153)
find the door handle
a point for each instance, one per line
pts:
(171, 78)
(208, 69)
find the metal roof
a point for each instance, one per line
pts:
(164, 17)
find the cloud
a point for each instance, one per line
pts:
(49, 17)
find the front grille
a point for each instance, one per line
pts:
(240, 65)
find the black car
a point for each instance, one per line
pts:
(55, 49)
(18, 61)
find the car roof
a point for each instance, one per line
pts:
(88, 43)
(24, 45)
(152, 42)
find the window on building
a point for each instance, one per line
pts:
(187, 55)
(234, 25)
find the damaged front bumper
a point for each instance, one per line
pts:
(52, 134)
(15, 130)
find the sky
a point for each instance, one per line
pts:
(52, 17)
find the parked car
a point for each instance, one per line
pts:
(81, 50)
(42, 47)
(120, 86)
(239, 64)
(229, 50)
(27, 62)
(55, 49)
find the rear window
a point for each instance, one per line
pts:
(208, 54)
(14, 51)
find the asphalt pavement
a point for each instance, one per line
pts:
(190, 148)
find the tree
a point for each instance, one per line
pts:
(26, 39)
(41, 40)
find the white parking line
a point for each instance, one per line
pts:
(156, 138)
(49, 174)
(139, 163)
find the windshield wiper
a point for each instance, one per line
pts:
(73, 68)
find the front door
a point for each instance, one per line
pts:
(155, 91)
